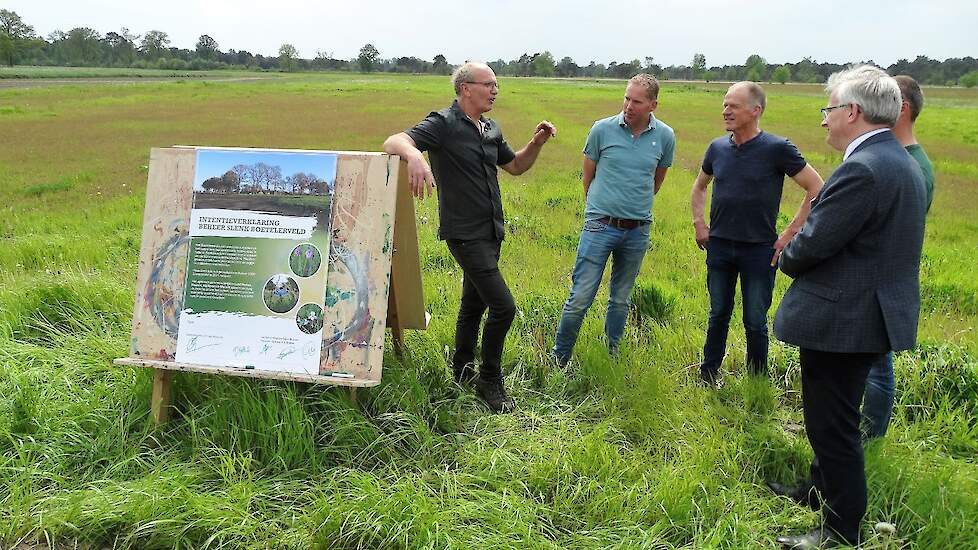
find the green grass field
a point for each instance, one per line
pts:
(628, 453)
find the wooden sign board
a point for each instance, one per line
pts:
(373, 278)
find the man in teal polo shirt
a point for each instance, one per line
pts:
(626, 158)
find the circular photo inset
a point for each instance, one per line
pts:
(305, 260)
(281, 293)
(309, 318)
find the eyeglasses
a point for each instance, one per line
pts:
(491, 84)
(826, 110)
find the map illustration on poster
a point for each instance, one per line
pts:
(258, 260)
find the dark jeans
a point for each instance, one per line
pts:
(482, 286)
(832, 389)
(725, 260)
(878, 400)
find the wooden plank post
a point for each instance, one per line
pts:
(398, 338)
(405, 300)
(394, 320)
(160, 404)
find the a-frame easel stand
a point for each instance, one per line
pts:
(405, 302)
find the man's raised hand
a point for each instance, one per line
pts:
(543, 132)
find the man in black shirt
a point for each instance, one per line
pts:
(748, 167)
(465, 149)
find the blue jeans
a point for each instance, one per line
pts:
(878, 398)
(725, 260)
(599, 241)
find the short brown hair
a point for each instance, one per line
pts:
(648, 82)
(911, 93)
(754, 92)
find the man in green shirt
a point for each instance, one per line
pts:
(881, 384)
(913, 103)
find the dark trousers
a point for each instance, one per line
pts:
(832, 391)
(725, 261)
(483, 287)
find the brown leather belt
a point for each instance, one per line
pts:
(621, 223)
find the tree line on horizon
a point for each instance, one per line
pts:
(85, 47)
(260, 178)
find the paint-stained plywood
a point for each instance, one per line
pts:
(163, 254)
(407, 293)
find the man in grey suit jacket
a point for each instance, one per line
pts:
(855, 294)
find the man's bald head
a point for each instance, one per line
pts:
(755, 94)
(467, 73)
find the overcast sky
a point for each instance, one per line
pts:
(603, 31)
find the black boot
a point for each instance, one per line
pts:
(464, 374)
(494, 394)
(803, 494)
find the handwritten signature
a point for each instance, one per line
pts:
(311, 349)
(194, 345)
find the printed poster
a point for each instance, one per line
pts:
(258, 258)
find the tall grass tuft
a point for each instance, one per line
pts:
(651, 302)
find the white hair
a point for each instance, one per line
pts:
(463, 74)
(876, 93)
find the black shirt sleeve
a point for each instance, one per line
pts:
(707, 165)
(428, 133)
(505, 153)
(791, 160)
